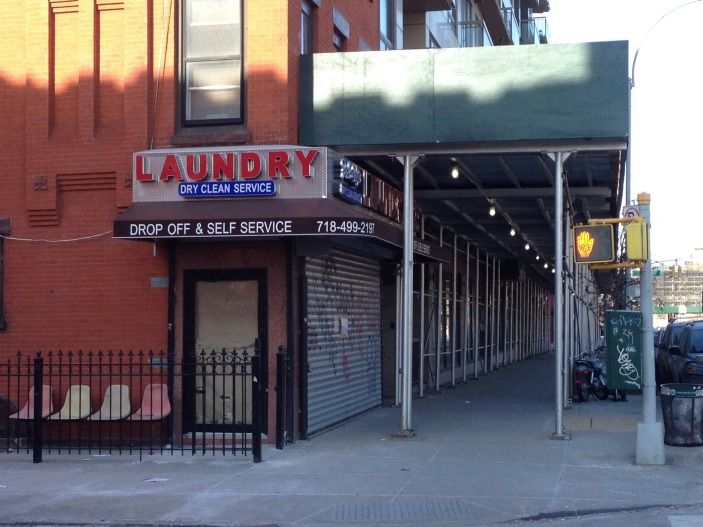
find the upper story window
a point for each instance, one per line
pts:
(306, 28)
(341, 30)
(338, 40)
(387, 23)
(212, 62)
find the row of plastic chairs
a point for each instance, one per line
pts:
(155, 404)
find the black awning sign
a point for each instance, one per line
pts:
(244, 228)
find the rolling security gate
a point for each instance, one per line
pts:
(343, 337)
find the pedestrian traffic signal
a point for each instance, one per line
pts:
(594, 244)
(637, 241)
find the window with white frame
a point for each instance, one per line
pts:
(211, 66)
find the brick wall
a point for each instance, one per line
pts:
(83, 85)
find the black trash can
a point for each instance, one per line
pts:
(682, 411)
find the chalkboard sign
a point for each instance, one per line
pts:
(623, 339)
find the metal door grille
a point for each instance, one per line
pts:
(343, 342)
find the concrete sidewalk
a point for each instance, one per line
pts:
(482, 456)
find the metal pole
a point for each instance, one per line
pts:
(533, 319)
(398, 335)
(520, 318)
(513, 308)
(440, 287)
(650, 433)
(506, 326)
(531, 312)
(568, 310)
(453, 332)
(528, 319)
(475, 316)
(558, 311)
(408, 223)
(521, 321)
(422, 315)
(518, 314)
(467, 312)
(486, 303)
(498, 321)
(494, 351)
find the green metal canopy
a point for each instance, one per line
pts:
(495, 113)
(527, 94)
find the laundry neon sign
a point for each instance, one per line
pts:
(219, 166)
(279, 171)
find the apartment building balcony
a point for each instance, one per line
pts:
(492, 11)
(534, 31)
(422, 6)
(474, 34)
(511, 24)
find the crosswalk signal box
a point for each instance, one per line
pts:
(594, 244)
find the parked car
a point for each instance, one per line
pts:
(662, 356)
(687, 357)
(658, 332)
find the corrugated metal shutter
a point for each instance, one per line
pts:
(343, 337)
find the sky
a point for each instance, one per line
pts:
(667, 106)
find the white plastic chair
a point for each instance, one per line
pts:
(115, 404)
(76, 405)
(27, 411)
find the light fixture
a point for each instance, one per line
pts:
(553, 270)
(455, 171)
(527, 246)
(492, 210)
(512, 231)
(537, 257)
(546, 265)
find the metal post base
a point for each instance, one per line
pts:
(564, 436)
(650, 444)
(404, 434)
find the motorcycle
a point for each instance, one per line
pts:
(589, 377)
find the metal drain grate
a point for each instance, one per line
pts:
(393, 512)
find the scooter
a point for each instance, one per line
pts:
(589, 377)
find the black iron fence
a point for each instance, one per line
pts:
(131, 402)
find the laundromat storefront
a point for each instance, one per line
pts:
(273, 248)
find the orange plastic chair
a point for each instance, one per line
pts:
(28, 410)
(155, 404)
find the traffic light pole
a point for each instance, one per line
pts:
(650, 433)
(559, 159)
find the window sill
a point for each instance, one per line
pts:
(211, 136)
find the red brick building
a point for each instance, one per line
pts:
(157, 194)
(86, 83)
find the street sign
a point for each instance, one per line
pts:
(623, 340)
(632, 211)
